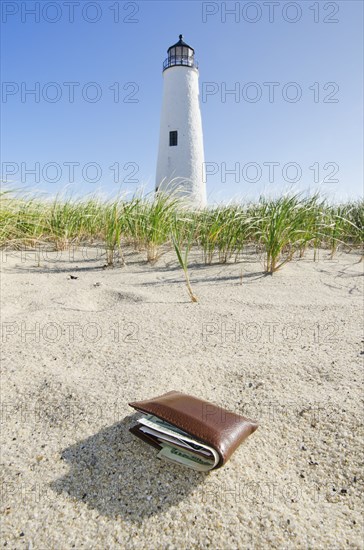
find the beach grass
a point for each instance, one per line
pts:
(183, 235)
(279, 229)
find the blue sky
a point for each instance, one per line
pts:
(294, 121)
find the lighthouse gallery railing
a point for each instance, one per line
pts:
(175, 61)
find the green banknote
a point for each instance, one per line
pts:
(185, 458)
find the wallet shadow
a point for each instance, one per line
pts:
(117, 474)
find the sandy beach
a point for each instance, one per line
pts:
(79, 342)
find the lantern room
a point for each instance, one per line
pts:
(180, 54)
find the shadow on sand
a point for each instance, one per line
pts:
(118, 475)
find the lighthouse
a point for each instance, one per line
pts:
(180, 166)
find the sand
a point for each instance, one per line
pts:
(283, 349)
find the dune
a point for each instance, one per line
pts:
(79, 342)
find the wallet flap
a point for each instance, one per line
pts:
(221, 429)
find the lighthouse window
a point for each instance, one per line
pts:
(173, 138)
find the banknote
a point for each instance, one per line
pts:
(166, 429)
(162, 424)
(169, 430)
(185, 458)
(175, 440)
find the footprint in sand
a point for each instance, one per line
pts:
(98, 300)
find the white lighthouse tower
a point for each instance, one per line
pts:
(180, 167)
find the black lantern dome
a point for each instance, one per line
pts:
(180, 54)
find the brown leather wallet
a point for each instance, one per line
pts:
(214, 426)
